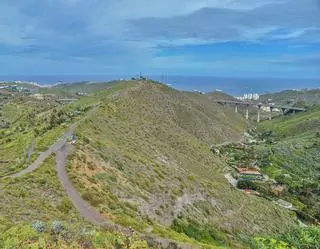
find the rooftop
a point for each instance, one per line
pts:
(249, 171)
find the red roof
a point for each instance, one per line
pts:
(248, 171)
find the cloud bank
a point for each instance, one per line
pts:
(126, 36)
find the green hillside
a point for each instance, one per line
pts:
(220, 95)
(292, 157)
(301, 97)
(147, 153)
(142, 158)
(70, 90)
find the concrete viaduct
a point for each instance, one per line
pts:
(285, 109)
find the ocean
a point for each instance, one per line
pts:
(234, 86)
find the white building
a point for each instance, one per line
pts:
(249, 96)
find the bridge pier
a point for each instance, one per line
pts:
(258, 118)
(284, 109)
(247, 112)
(271, 109)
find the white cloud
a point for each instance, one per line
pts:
(128, 33)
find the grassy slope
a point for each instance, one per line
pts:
(220, 95)
(144, 160)
(309, 97)
(294, 157)
(30, 124)
(69, 90)
(38, 195)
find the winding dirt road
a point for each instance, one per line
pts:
(92, 215)
(43, 156)
(85, 209)
(88, 212)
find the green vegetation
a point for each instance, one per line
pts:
(33, 126)
(298, 98)
(60, 235)
(302, 238)
(38, 195)
(143, 160)
(220, 95)
(291, 156)
(287, 151)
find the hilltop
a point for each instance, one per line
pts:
(141, 158)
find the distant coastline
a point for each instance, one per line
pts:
(235, 86)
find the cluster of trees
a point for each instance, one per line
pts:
(300, 238)
(57, 118)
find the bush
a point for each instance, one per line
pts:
(56, 227)
(39, 226)
(246, 184)
(202, 233)
(65, 206)
(306, 238)
(300, 238)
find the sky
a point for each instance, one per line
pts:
(225, 38)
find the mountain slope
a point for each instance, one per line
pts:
(307, 97)
(292, 158)
(220, 95)
(142, 158)
(144, 161)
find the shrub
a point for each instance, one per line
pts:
(246, 184)
(39, 226)
(56, 227)
(202, 233)
(65, 205)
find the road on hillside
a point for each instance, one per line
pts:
(62, 150)
(53, 148)
(85, 209)
(44, 155)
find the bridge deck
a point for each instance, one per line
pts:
(259, 104)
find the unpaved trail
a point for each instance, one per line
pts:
(85, 209)
(53, 149)
(89, 213)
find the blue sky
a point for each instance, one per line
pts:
(232, 38)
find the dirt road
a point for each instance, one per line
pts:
(88, 212)
(53, 149)
(85, 209)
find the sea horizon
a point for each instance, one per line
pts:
(231, 85)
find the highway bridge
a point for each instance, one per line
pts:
(236, 103)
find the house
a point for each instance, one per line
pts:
(249, 173)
